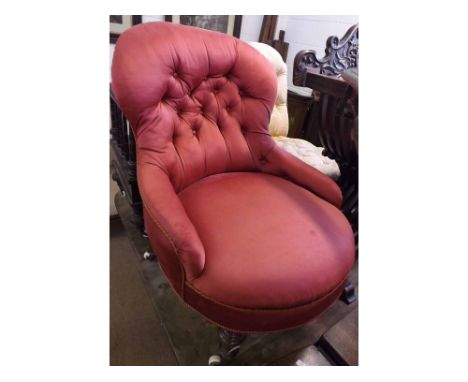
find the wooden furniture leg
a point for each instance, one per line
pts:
(229, 345)
(349, 293)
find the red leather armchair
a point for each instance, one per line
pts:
(248, 235)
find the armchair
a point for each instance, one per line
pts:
(248, 235)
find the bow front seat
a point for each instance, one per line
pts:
(247, 234)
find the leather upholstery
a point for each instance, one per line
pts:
(199, 103)
(279, 122)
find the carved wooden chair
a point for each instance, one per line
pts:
(340, 54)
(248, 235)
(334, 111)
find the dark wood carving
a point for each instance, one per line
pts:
(123, 160)
(298, 109)
(280, 45)
(267, 32)
(340, 54)
(336, 121)
(113, 37)
(237, 26)
(137, 19)
(333, 114)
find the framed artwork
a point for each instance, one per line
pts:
(120, 23)
(220, 23)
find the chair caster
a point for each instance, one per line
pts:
(215, 360)
(349, 293)
(148, 255)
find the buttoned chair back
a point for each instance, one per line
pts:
(198, 105)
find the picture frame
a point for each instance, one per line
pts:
(229, 24)
(120, 23)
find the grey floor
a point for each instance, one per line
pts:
(137, 335)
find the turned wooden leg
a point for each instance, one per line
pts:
(349, 293)
(229, 345)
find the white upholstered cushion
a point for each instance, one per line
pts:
(310, 154)
(279, 123)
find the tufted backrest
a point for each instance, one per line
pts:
(198, 101)
(279, 123)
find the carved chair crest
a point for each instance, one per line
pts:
(340, 54)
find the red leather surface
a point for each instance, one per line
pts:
(199, 103)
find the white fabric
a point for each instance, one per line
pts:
(310, 154)
(279, 123)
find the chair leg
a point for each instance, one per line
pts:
(149, 255)
(349, 293)
(229, 345)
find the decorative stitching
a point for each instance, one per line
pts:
(265, 309)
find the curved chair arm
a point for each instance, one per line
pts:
(167, 213)
(281, 162)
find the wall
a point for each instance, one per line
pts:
(250, 28)
(148, 18)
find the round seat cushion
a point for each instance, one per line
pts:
(270, 245)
